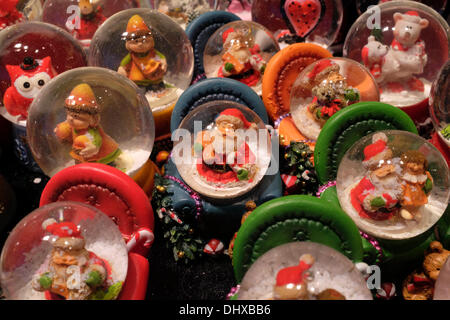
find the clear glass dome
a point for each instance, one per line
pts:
(393, 184)
(159, 58)
(240, 50)
(56, 247)
(362, 5)
(440, 103)
(31, 53)
(442, 286)
(325, 87)
(222, 149)
(90, 115)
(82, 18)
(320, 24)
(403, 44)
(184, 11)
(241, 8)
(324, 271)
(15, 11)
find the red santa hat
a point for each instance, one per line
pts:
(294, 275)
(236, 117)
(377, 150)
(64, 229)
(412, 16)
(226, 33)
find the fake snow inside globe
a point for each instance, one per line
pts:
(393, 184)
(222, 149)
(82, 17)
(90, 115)
(32, 53)
(303, 271)
(403, 44)
(362, 5)
(291, 21)
(440, 103)
(150, 49)
(325, 87)
(184, 11)
(240, 50)
(64, 250)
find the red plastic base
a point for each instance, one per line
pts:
(418, 112)
(441, 146)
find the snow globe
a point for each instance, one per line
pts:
(12, 12)
(303, 271)
(240, 50)
(241, 8)
(325, 87)
(64, 250)
(363, 5)
(150, 49)
(403, 44)
(82, 17)
(184, 11)
(225, 149)
(90, 115)
(291, 21)
(31, 53)
(393, 184)
(439, 111)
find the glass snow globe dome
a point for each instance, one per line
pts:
(150, 49)
(440, 104)
(325, 87)
(240, 50)
(32, 53)
(82, 18)
(90, 115)
(15, 11)
(70, 231)
(222, 149)
(291, 21)
(362, 5)
(184, 11)
(304, 271)
(393, 184)
(403, 44)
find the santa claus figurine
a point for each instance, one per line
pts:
(9, 14)
(330, 91)
(144, 65)
(73, 272)
(377, 195)
(241, 60)
(82, 128)
(222, 159)
(292, 282)
(90, 19)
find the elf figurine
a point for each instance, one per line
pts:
(292, 282)
(9, 14)
(377, 195)
(144, 64)
(241, 60)
(90, 19)
(222, 159)
(27, 79)
(416, 182)
(331, 92)
(73, 272)
(82, 128)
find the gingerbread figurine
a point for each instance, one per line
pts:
(82, 128)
